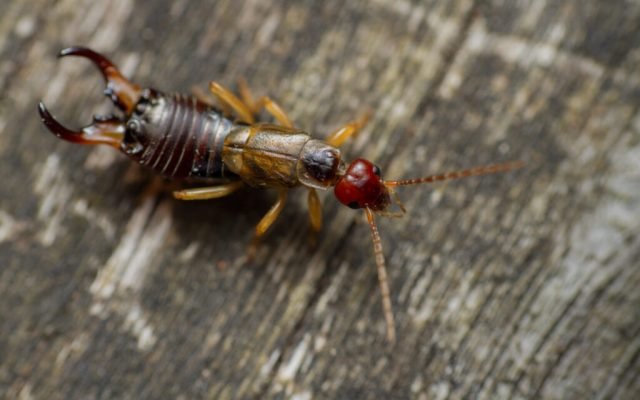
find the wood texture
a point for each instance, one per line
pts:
(522, 285)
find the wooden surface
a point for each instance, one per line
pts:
(520, 285)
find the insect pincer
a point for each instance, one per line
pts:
(120, 90)
(104, 130)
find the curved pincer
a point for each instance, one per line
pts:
(108, 131)
(123, 93)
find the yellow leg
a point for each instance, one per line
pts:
(338, 137)
(245, 94)
(315, 211)
(274, 109)
(265, 102)
(228, 98)
(247, 97)
(271, 215)
(266, 222)
(204, 97)
(210, 192)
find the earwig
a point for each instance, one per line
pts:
(184, 136)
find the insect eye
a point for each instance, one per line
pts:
(376, 170)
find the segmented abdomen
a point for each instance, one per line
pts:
(184, 138)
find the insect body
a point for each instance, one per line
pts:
(182, 136)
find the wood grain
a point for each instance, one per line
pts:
(520, 285)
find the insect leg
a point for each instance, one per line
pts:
(209, 192)
(315, 210)
(228, 98)
(275, 110)
(266, 222)
(204, 97)
(339, 136)
(271, 215)
(265, 102)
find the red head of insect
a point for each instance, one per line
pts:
(362, 186)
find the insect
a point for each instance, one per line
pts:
(184, 136)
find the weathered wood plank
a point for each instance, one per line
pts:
(520, 285)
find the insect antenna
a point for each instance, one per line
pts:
(382, 277)
(476, 171)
